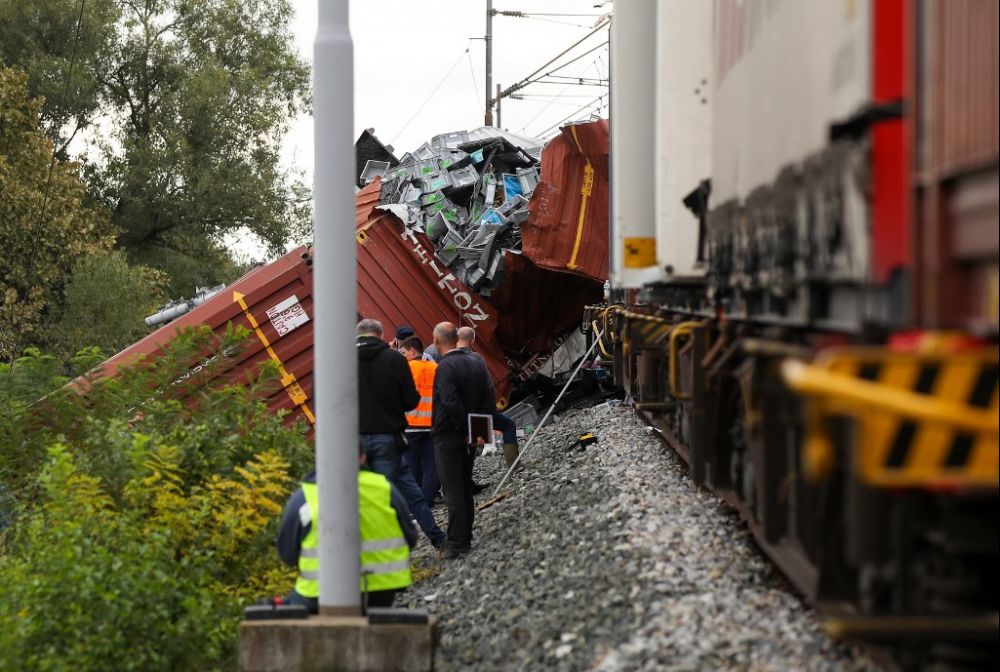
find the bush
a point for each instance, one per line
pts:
(150, 520)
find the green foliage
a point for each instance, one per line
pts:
(105, 302)
(24, 382)
(196, 95)
(149, 512)
(40, 38)
(45, 225)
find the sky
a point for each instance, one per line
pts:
(404, 49)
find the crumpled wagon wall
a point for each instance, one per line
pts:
(567, 227)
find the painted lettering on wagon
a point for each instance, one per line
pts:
(469, 309)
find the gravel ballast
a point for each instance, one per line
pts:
(608, 558)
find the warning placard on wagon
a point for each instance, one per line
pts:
(287, 315)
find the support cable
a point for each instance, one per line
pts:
(575, 113)
(429, 96)
(475, 84)
(597, 339)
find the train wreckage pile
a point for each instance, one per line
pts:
(492, 230)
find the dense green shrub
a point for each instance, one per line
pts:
(147, 522)
(104, 303)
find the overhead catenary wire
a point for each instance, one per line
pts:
(569, 81)
(517, 14)
(557, 22)
(552, 102)
(576, 81)
(572, 115)
(551, 73)
(526, 80)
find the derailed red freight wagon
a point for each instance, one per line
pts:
(275, 303)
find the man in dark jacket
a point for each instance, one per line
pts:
(385, 393)
(501, 422)
(461, 386)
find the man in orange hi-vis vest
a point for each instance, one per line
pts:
(419, 453)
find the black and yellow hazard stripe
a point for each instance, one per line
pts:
(921, 419)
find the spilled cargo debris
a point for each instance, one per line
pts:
(468, 192)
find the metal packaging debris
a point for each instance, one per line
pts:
(450, 187)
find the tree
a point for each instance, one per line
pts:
(45, 225)
(195, 96)
(105, 301)
(41, 38)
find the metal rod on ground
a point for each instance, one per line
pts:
(335, 311)
(597, 338)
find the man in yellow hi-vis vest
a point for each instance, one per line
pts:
(387, 535)
(419, 453)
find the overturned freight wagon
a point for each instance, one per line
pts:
(551, 259)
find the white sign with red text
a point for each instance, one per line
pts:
(287, 315)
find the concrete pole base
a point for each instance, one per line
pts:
(336, 643)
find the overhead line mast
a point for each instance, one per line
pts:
(488, 118)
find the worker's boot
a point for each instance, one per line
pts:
(510, 452)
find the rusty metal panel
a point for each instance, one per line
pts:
(959, 149)
(400, 281)
(275, 303)
(964, 56)
(567, 229)
(538, 305)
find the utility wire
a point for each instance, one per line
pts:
(556, 21)
(579, 81)
(576, 80)
(555, 101)
(429, 96)
(545, 96)
(517, 14)
(48, 179)
(574, 59)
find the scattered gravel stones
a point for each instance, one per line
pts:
(609, 559)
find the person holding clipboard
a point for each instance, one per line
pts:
(462, 387)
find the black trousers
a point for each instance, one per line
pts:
(454, 464)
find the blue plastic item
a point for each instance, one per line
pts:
(511, 186)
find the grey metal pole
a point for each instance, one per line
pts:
(335, 311)
(488, 121)
(597, 337)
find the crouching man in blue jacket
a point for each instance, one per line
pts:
(387, 535)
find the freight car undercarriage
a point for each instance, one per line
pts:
(913, 569)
